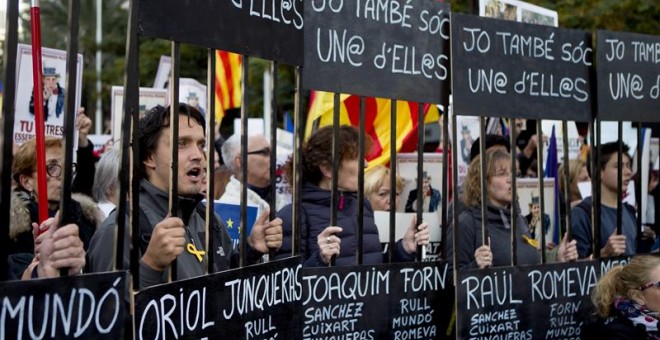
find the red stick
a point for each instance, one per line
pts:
(38, 93)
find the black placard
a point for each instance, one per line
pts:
(256, 302)
(393, 49)
(394, 301)
(549, 301)
(628, 68)
(267, 29)
(85, 306)
(509, 69)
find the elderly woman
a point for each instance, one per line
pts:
(627, 299)
(106, 181)
(377, 188)
(319, 240)
(472, 251)
(82, 211)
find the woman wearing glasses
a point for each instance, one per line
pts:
(83, 210)
(627, 300)
(472, 251)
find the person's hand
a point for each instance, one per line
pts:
(615, 246)
(484, 256)
(415, 236)
(329, 243)
(266, 235)
(648, 233)
(567, 251)
(167, 241)
(83, 125)
(58, 247)
(653, 180)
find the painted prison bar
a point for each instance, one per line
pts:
(493, 69)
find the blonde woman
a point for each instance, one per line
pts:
(377, 188)
(627, 298)
(472, 251)
(577, 172)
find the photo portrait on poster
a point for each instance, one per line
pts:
(193, 93)
(530, 207)
(519, 11)
(149, 97)
(467, 132)
(54, 82)
(431, 183)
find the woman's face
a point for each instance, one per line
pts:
(54, 157)
(499, 185)
(380, 200)
(348, 175)
(583, 176)
(651, 295)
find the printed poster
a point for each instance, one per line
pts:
(149, 97)
(54, 81)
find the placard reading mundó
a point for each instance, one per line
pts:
(509, 69)
(391, 301)
(628, 76)
(267, 29)
(256, 302)
(86, 306)
(549, 301)
(393, 49)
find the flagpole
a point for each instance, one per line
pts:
(35, 25)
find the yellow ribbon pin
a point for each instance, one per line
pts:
(193, 250)
(532, 242)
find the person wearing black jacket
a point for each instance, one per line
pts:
(320, 241)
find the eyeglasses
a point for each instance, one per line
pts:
(649, 285)
(263, 152)
(54, 170)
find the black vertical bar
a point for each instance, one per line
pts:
(445, 181)
(360, 193)
(392, 225)
(619, 180)
(69, 114)
(210, 156)
(595, 186)
(420, 173)
(514, 195)
(567, 183)
(130, 148)
(244, 142)
(8, 109)
(484, 197)
(540, 175)
(273, 146)
(638, 182)
(297, 164)
(173, 204)
(335, 165)
(455, 198)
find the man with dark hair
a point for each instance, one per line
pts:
(166, 238)
(610, 243)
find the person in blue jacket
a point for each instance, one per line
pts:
(320, 241)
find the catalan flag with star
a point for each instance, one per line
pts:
(378, 123)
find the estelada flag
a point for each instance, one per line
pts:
(227, 82)
(377, 124)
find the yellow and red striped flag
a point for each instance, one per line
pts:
(227, 82)
(377, 114)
